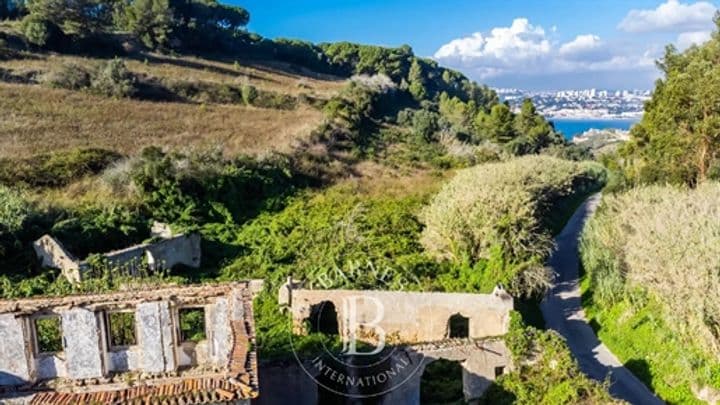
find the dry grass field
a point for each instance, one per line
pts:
(270, 76)
(35, 119)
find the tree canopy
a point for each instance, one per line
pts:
(678, 139)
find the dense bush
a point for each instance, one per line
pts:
(14, 210)
(492, 214)
(113, 79)
(68, 76)
(55, 169)
(665, 241)
(651, 256)
(545, 373)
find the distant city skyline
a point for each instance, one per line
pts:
(526, 44)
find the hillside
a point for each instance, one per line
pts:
(40, 119)
(287, 158)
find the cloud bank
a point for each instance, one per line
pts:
(672, 16)
(525, 50)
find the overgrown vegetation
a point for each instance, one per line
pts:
(677, 140)
(651, 260)
(546, 372)
(489, 220)
(270, 215)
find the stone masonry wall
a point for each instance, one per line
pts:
(410, 317)
(85, 353)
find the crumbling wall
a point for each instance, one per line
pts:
(54, 255)
(86, 355)
(165, 254)
(408, 317)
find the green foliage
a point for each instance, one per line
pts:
(113, 79)
(121, 329)
(192, 324)
(678, 139)
(14, 211)
(650, 256)
(492, 215)
(37, 30)
(151, 21)
(76, 17)
(667, 362)
(98, 229)
(425, 125)
(249, 94)
(204, 187)
(55, 169)
(49, 334)
(442, 383)
(497, 126)
(546, 372)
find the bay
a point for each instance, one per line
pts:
(570, 128)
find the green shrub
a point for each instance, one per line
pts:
(113, 79)
(14, 211)
(68, 76)
(545, 372)
(651, 256)
(37, 31)
(493, 213)
(249, 94)
(55, 169)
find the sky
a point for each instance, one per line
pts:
(533, 45)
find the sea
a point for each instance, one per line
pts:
(571, 128)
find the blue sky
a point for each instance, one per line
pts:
(548, 44)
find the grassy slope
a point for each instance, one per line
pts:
(35, 119)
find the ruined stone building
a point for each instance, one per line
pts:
(171, 345)
(171, 250)
(419, 328)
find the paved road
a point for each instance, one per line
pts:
(563, 312)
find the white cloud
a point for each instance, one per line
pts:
(525, 49)
(587, 48)
(687, 39)
(504, 47)
(671, 16)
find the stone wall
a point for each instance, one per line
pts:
(407, 317)
(53, 254)
(86, 353)
(165, 254)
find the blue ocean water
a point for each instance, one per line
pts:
(573, 127)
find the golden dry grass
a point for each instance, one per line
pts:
(35, 119)
(266, 76)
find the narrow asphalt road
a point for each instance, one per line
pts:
(563, 312)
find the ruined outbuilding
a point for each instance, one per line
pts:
(154, 359)
(419, 328)
(408, 317)
(171, 250)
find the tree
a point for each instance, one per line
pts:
(534, 132)
(678, 139)
(417, 81)
(496, 126)
(74, 17)
(150, 21)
